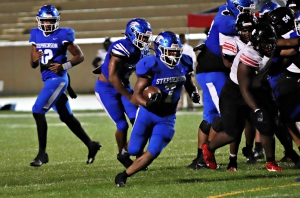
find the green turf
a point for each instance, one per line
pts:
(67, 175)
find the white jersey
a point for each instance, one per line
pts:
(232, 46)
(251, 58)
(188, 50)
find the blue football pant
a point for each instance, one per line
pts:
(115, 105)
(211, 84)
(148, 126)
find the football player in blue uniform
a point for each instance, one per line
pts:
(168, 70)
(50, 45)
(113, 89)
(211, 73)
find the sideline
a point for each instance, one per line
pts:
(82, 102)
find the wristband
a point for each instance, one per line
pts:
(66, 65)
(256, 110)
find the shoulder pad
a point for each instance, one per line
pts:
(145, 65)
(68, 34)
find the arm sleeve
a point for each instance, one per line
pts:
(248, 60)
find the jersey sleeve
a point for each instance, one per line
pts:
(32, 38)
(226, 25)
(188, 62)
(121, 49)
(230, 47)
(249, 60)
(144, 66)
(68, 35)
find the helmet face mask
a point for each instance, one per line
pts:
(139, 32)
(48, 19)
(168, 48)
(263, 39)
(244, 25)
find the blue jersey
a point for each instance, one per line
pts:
(168, 80)
(53, 48)
(223, 23)
(125, 50)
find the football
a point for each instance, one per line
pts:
(148, 91)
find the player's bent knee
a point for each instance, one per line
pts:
(205, 127)
(217, 124)
(122, 126)
(134, 150)
(154, 152)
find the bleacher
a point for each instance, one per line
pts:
(100, 18)
(90, 19)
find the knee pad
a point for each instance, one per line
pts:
(205, 127)
(122, 125)
(134, 150)
(217, 124)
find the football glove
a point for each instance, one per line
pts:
(195, 97)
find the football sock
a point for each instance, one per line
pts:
(42, 127)
(200, 154)
(258, 146)
(270, 159)
(77, 129)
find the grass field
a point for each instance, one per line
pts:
(67, 175)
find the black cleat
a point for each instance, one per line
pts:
(297, 164)
(197, 164)
(93, 151)
(40, 160)
(249, 155)
(124, 158)
(285, 158)
(120, 180)
(259, 154)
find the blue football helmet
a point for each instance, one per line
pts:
(297, 23)
(168, 48)
(238, 6)
(48, 12)
(269, 6)
(139, 32)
